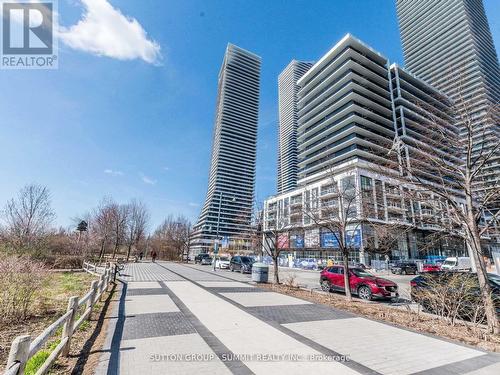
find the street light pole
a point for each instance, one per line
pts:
(217, 235)
(217, 231)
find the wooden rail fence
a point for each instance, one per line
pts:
(23, 348)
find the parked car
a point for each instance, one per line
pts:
(241, 263)
(362, 283)
(448, 280)
(361, 265)
(308, 264)
(199, 258)
(456, 264)
(404, 268)
(434, 259)
(206, 261)
(431, 268)
(222, 262)
(267, 259)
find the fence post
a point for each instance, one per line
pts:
(106, 273)
(114, 273)
(105, 279)
(68, 326)
(101, 288)
(19, 352)
(91, 300)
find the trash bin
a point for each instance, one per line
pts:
(260, 272)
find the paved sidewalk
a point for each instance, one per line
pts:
(176, 319)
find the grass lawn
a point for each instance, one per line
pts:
(49, 303)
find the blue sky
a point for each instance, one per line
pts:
(135, 121)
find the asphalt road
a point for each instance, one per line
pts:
(310, 279)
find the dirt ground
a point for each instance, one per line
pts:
(417, 321)
(86, 349)
(48, 308)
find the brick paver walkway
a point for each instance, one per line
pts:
(177, 319)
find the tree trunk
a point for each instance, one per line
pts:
(276, 275)
(129, 248)
(484, 286)
(474, 243)
(103, 250)
(115, 250)
(347, 284)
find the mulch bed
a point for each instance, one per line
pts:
(405, 318)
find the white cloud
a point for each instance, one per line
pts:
(106, 31)
(113, 172)
(166, 168)
(148, 180)
(191, 204)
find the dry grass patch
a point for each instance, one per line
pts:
(48, 303)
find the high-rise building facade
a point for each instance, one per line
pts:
(226, 213)
(345, 109)
(448, 44)
(287, 135)
(352, 104)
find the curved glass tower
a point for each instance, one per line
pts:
(287, 141)
(449, 45)
(226, 213)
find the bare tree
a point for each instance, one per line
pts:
(28, 217)
(102, 226)
(171, 237)
(137, 222)
(339, 217)
(268, 234)
(460, 196)
(83, 225)
(119, 217)
(273, 238)
(383, 238)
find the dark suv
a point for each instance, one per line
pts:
(241, 263)
(404, 268)
(462, 287)
(202, 258)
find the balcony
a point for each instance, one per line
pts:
(393, 192)
(431, 226)
(393, 206)
(328, 192)
(400, 219)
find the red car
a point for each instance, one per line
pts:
(431, 268)
(364, 284)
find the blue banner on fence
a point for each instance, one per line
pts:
(353, 238)
(328, 239)
(297, 241)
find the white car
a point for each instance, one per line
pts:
(456, 264)
(222, 262)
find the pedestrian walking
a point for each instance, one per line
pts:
(141, 255)
(153, 256)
